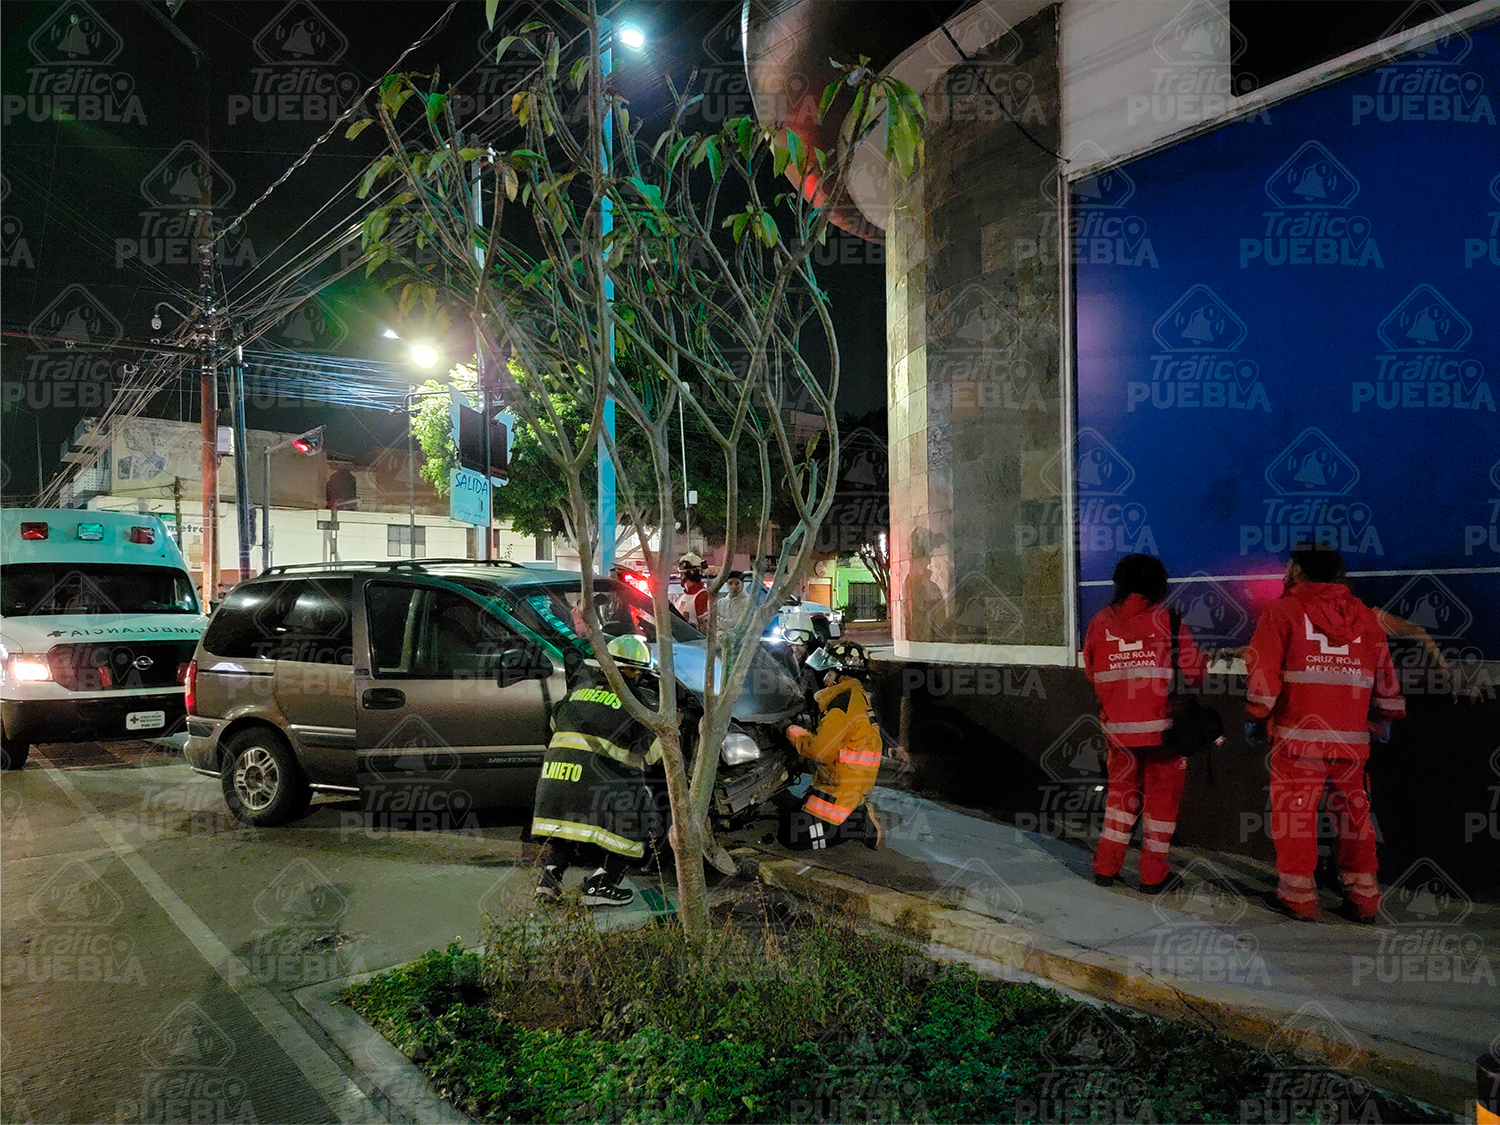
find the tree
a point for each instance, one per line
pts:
(701, 276)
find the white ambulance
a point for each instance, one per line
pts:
(98, 621)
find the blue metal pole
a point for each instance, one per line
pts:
(607, 516)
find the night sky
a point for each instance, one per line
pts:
(98, 199)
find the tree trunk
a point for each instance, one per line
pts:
(687, 839)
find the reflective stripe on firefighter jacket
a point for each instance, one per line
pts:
(593, 785)
(1317, 666)
(1127, 656)
(846, 748)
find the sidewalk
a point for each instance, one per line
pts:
(1409, 1003)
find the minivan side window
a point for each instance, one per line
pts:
(305, 620)
(317, 629)
(433, 633)
(248, 623)
(393, 614)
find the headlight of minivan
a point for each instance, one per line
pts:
(739, 748)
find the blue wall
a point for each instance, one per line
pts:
(1287, 329)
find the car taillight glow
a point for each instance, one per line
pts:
(31, 669)
(33, 531)
(639, 582)
(143, 535)
(189, 677)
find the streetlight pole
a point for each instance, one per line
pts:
(411, 469)
(607, 514)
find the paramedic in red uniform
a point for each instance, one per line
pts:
(1317, 665)
(1127, 656)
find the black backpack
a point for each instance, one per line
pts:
(1195, 726)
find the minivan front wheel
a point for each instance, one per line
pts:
(13, 752)
(262, 781)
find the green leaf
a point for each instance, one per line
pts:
(745, 136)
(367, 181)
(624, 114)
(794, 147)
(766, 229)
(435, 103)
(856, 113)
(357, 128)
(490, 8)
(503, 46)
(830, 92)
(554, 48)
(468, 154)
(579, 72)
(738, 222)
(649, 192)
(779, 156)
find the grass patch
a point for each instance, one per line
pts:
(779, 1016)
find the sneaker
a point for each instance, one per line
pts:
(600, 890)
(1103, 880)
(1154, 888)
(549, 885)
(876, 840)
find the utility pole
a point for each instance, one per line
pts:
(486, 551)
(242, 509)
(208, 425)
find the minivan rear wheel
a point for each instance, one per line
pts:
(263, 783)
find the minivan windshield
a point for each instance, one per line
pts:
(554, 610)
(53, 590)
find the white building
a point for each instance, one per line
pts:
(154, 465)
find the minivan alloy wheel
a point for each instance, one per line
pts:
(256, 778)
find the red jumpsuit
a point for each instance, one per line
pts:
(1317, 657)
(1127, 656)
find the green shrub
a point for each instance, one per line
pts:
(779, 1017)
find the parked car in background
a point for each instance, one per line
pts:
(430, 674)
(98, 621)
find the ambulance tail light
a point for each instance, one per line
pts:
(33, 531)
(146, 535)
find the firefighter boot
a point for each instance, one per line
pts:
(606, 888)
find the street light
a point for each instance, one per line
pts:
(307, 444)
(424, 355)
(633, 37)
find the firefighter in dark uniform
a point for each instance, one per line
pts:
(593, 806)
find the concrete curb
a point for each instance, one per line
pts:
(398, 1079)
(980, 940)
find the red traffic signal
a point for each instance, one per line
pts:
(310, 442)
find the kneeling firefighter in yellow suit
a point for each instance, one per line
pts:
(846, 749)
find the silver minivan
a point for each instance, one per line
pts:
(430, 676)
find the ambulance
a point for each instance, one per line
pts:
(98, 621)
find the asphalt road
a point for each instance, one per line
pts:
(151, 943)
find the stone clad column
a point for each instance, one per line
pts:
(975, 399)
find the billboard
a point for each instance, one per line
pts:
(1310, 352)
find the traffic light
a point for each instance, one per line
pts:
(310, 442)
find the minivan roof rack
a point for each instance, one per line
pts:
(383, 564)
